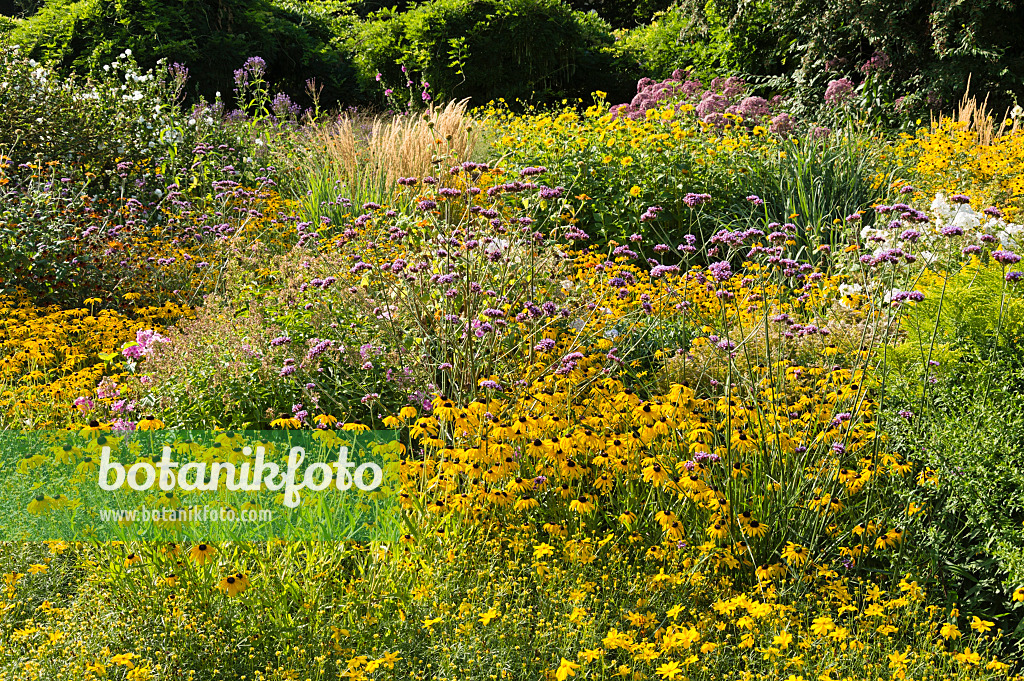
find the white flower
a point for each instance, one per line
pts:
(611, 334)
(940, 206)
(966, 218)
(577, 324)
(1017, 111)
(850, 289)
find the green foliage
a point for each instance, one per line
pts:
(973, 535)
(210, 38)
(959, 373)
(963, 322)
(622, 13)
(533, 50)
(700, 38)
(924, 51)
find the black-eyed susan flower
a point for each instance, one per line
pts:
(93, 427)
(794, 554)
(202, 553)
(40, 504)
(232, 586)
(756, 528)
(149, 422)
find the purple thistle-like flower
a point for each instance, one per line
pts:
(993, 212)
(1005, 257)
(693, 200)
(960, 198)
(1014, 276)
(720, 270)
(426, 205)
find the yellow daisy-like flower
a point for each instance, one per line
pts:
(202, 553)
(325, 420)
(40, 504)
(94, 426)
(756, 529)
(287, 423)
(149, 423)
(232, 585)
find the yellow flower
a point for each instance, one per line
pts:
(566, 669)
(149, 423)
(124, 659)
(40, 504)
(783, 640)
(232, 585)
(202, 553)
(794, 554)
(635, 191)
(981, 625)
(949, 631)
(486, 618)
(669, 670)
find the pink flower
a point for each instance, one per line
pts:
(838, 91)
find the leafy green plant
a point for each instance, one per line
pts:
(531, 50)
(297, 42)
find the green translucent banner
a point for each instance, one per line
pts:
(165, 485)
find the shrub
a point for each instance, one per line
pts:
(905, 57)
(702, 40)
(210, 38)
(622, 13)
(533, 50)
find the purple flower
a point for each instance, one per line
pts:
(694, 200)
(545, 345)
(1005, 257)
(960, 198)
(720, 270)
(1014, 276)
(838, 91)
(993, 211)
(426, 205)
(781, 125)
(756, 200)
